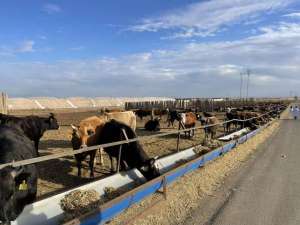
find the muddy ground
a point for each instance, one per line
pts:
(61, 174)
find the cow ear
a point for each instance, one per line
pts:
(75, 128)
(152, 161)
(145, 168)
(17, 171)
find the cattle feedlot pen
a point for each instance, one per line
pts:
(87, 149)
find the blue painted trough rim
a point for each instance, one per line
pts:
(114, 207)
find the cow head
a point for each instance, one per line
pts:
(52, 121)
(149, 169)
(10, 183)
(202, 119)
(82, 136)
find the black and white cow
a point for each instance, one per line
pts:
(18, 186)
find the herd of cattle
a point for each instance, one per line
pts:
(20, 136)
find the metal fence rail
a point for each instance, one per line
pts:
(65, 153)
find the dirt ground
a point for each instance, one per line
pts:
(61, 174)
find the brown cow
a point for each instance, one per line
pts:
(86, 135)
(212, 130)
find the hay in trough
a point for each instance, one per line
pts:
(201, 150)
(211, 143)
(111, 193)
(181, 161)
(79, 202)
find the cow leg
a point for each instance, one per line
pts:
(123, 165)
(91, 163)
(111, 164)
(206, 132)
(95, 159)
(79, 168)
(36, 145)
(101, 156)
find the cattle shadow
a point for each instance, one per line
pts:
(52, 144)
(142, 132)
(58, 172)
(59, 175)
(175, 136)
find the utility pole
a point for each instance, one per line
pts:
(248, 80)
(241, 85)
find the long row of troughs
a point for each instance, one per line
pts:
(49, 212)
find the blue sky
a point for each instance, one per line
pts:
(149, 48)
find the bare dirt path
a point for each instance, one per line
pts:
(265, 191)
(187, 197)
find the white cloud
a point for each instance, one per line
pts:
(207, 18)
(196, 69)
(5, 51)
(42, 37)
(293, 15)
(51, 8)
(26, 46)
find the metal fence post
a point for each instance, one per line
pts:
(120, 151)
(119, 159)
(178, 137)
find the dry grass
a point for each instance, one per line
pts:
(186, 193)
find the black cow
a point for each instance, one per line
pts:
(209, 114)
(173, 115)
(18, 186)
(153, 125)
(133, 155)
(231, 114)
(33, 126)
(142, 113)
(201, 118)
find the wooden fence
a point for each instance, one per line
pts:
(202, 104)
(3, 103)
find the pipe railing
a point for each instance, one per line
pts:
(96, 147)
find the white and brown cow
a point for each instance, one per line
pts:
(188, 120)
(127, 117)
